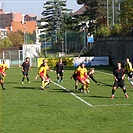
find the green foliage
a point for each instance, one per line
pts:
(5, 43)
(53, 15)
(116, 30)
(103, 31)
(16, 38)
(126, 16)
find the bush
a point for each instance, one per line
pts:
(103, 31)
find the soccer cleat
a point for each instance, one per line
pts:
(22, 82)
(3, 88)
(126, 96)
(112, 96)
(42, 87)
(58, 81)
(88, 91)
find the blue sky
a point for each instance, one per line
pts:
(31, 6)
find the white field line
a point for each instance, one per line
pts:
(112, 105)
(72, 94)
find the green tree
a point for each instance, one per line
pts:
(53, 15)
(16, 38)
(126, 16)
(5, 43)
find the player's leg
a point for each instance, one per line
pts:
(84, 85)
(124, 89)
(113, 89)
(24, 76)
(87, 84)
(130, 75)
(47, 86)
(28, 80)
(1, 82)
(61, 75)
(58, 77)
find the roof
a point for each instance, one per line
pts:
(80, 11)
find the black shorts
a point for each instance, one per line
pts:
(25, 73)
(60, 73)
(75, 77)
(120, 84)
(130, 74)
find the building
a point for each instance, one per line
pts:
(16, 21)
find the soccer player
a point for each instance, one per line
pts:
(74, 76)
(25, 68)
(48, 69)
(59, 69)
(3, 68)
(43, 75)
(129, 69)
(82, 77)
(90, 75)
(119, 75)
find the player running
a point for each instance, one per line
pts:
(43, 75)
(25, 68)
(119, 75)
(48, 69)
(129, 69)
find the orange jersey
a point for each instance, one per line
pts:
(3, 67)
(43, 71)
(81, 72)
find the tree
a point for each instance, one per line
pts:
(126, 16)
(16, 38)
(53, 15)
(5, 43)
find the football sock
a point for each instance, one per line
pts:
(124, 91)
(28, 79)
(43, 83)
(76, 86)
(2, 85)
(113, 91)
(23, 79)
(84, 88)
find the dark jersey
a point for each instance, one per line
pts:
(118, 73)
(91, 76)
(26, 66)
(59, 67)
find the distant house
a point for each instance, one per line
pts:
(14, 21)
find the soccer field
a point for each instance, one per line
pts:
(59, 109)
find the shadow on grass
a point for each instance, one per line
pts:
(6, 82)
(28, 88)
(104, 84)
(58, 90)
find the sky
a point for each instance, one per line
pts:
(31, 6)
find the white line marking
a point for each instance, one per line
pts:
(112, 105)
(72, 94)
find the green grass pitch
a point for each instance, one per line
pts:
(27, 109)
